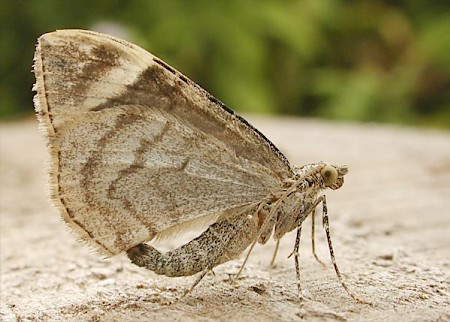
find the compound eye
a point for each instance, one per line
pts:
(329, 175)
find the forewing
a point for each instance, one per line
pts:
(137, 148)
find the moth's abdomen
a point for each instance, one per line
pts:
(221, 242)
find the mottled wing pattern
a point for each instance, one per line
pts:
(136, 147)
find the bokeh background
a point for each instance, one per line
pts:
(368, 60)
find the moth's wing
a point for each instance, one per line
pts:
(137, 148)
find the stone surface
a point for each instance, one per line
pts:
(390, 226)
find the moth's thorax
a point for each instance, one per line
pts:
(296, 206)
(306, 185)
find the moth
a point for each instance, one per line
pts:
(140, 152)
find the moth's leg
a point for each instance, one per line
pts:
(296, 255)
(265, 224)
(263, 213)
(197, 281)
(313, 242)
(267, 220)
(326, 226)
(295, 252)
(222, 241)
(272, 262)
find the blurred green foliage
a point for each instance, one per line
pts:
(368, 60)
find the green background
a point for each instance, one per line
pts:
(372, 61)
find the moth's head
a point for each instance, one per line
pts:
(332, 176)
